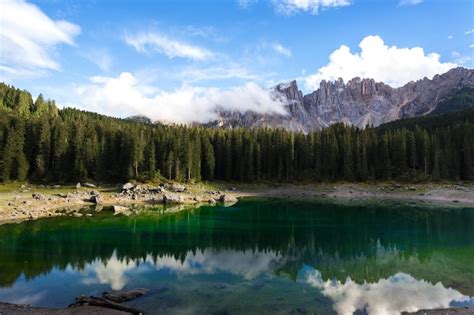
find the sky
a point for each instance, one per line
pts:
(181, 60)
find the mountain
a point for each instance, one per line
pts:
(359, 102)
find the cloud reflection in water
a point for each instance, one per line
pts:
(393, 295)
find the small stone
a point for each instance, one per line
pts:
(128, 186)
(38, 196)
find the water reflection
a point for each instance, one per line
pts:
(266, 245)
(398, 293)
(388, 296)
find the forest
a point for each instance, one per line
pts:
(41, 143)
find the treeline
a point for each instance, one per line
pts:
(38, 142)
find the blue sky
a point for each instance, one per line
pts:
(176, 60)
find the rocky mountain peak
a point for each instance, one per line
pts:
(360, 102)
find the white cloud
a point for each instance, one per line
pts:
(124, 96)
(149, 42)
(392, 296)
(410, 2)
(471, 46)
(27, 36)
(450, 37)
(390, 64)
(469, 32)
(288, 7)
(282, 50)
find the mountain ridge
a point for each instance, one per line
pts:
(359, 102)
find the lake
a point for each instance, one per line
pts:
(259, 256)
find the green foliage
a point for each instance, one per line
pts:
(40, 142)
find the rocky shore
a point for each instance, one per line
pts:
(29, 202)
(32, 202)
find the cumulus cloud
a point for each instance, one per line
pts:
(289, 7)
(410, 2)
(392, 296)
(390, 64)
(155, 42)
(124, 96)
(282, 50)
(27, 36)
(469, 32)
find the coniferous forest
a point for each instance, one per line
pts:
(40, 142)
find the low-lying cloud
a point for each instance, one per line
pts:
(390, 64)
(124, 96)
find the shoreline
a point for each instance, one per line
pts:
(25, 202)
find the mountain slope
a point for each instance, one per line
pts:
(359, 102)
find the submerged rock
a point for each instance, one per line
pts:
(121, 296)
(122, 210)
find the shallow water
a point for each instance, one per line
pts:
(259, 256)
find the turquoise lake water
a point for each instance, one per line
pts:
(259, 256)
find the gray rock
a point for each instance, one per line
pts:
(38, 196)
(89, 185)
(123, 296)
(227, 199)
(178, 188)
(128, 186)
(96, 197)
(172, 199)
(78, 185)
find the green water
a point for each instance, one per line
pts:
(260, 256)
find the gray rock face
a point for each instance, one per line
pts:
(359, 102)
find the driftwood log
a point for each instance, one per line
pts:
(95, 301)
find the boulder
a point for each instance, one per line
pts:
(211, 200)
(89, 185)
(95, 197)
(171, 198)
(178, 188)
(128, 186)
(227, 199)
(78, 185)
